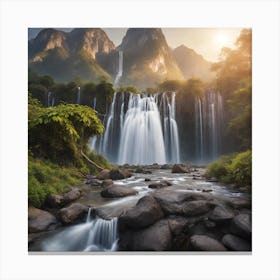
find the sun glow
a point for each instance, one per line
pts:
(221, 40)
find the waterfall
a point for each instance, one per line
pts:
(170, 129)
(79, 95)
(208, 126)
(49, 98)
(141, 136)
(94, 102)
(140, 129)
(93, 235)
(199, 129)
(120, 69)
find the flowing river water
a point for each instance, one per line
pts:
(101, 234)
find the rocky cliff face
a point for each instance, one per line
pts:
(88, 53)
(90, 40)
(147, 57)
(66, 56)
(192, 64)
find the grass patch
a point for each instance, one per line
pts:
(46, 178)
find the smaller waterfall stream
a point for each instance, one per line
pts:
(79, 95)
(120, 69)
(93, 235)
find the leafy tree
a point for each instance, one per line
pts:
(234, 80)
(59, 133)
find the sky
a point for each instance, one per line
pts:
(206, 41)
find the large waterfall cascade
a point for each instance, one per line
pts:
(140, 129)
(93, 235)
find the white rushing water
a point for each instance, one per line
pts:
(208, 125)
(141, 136)
(93, 235)
(79, 95)
(140, 129)
(120, 69)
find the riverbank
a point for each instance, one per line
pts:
(156, 210)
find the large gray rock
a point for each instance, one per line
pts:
(119, 174)
(206, 243)
(159, 185)
(74, 194)
(236, 243)
(57, 200)
(179, 168)
(156, 237)
(73, 213)
(179, 227)
(39, 220)
(114, 191)
(241, 225)
(146, 212)
(196, 208)
(221, 214)
(107, 182)
(103, 175)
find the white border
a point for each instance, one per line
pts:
(262, 16)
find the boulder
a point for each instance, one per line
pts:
(179, 228)
(172, 202)
(146, 212)
(74, 194)
(55, 200)
(166, 166)
(241, 226)
(147, 179)
(221, 214)
(73, 213)
(143, 171)
(39, 220)
(118, 174)
(196, 208)
(179, 168)
(103, 175)
(156, 237)
(107, 182)
(206, 243)
(114, 191)
(177, 224)
(236, 243)
(159, 185)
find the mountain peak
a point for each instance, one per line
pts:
(192, 64)
(91, 40)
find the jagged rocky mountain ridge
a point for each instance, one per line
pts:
(88, 54)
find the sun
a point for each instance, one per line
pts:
(221, 39)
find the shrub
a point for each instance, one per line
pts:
(236, 168)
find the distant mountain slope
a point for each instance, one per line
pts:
(192, 64)
(147, 58)
(66, 56)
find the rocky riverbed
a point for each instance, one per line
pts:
(154, 208)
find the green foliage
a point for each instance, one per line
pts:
(236, 168)
(100, 160)
(194, 87)
(46, 178)
(58, 133)
(129, 88)
(234, 80)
